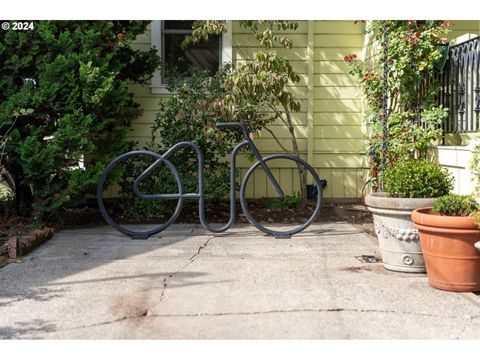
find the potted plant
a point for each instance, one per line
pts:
(449, 237)
(410, 185)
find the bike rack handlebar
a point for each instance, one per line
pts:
(255, 152)
(230, 124)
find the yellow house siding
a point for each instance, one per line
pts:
(140, 130)
(338, 133)
(460, 27)
(310, 96)
(329, 125)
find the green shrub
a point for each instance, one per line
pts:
(456, 205)
(288, 202)
(418, 179)
(160, 181)
(63, 96)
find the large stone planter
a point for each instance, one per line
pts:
(397, 237)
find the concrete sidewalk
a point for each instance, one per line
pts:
(191, 284)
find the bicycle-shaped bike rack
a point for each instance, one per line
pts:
(160, 159)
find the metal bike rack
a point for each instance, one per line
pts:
(160, 159)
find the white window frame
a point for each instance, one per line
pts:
(156, 86)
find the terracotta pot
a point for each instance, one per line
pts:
(449, 249)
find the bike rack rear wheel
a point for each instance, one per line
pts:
(290, 232)
(109, 219)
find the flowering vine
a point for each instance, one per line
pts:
(414, 119)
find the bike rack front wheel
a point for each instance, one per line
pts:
(123, 229)
(290, 232)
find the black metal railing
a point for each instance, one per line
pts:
(460, 87)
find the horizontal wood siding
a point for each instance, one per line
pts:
(338, 133)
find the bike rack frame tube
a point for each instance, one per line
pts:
(233, 213)
(288, 233)
(255, 152)
(108, 218)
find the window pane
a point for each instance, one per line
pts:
(204, 55)
(178, 25)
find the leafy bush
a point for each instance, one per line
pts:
(160, 181)
(456, 205)
(288, 202)
(418, 179)
(63, 96)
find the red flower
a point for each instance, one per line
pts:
(369, 76)
(413, 38)
(350, 58)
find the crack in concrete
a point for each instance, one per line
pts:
(191, 260)
(147, 314)
(280, 311)
(459, 336)
(473, 317)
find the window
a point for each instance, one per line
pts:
(167, 37)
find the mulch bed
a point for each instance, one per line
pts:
(21, 228)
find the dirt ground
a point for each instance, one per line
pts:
(354, 213)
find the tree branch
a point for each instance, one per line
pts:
(278, 117)
(276, 139)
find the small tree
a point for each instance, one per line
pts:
(262, 82)
(64, 100)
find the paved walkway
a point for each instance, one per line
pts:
(190, 284)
